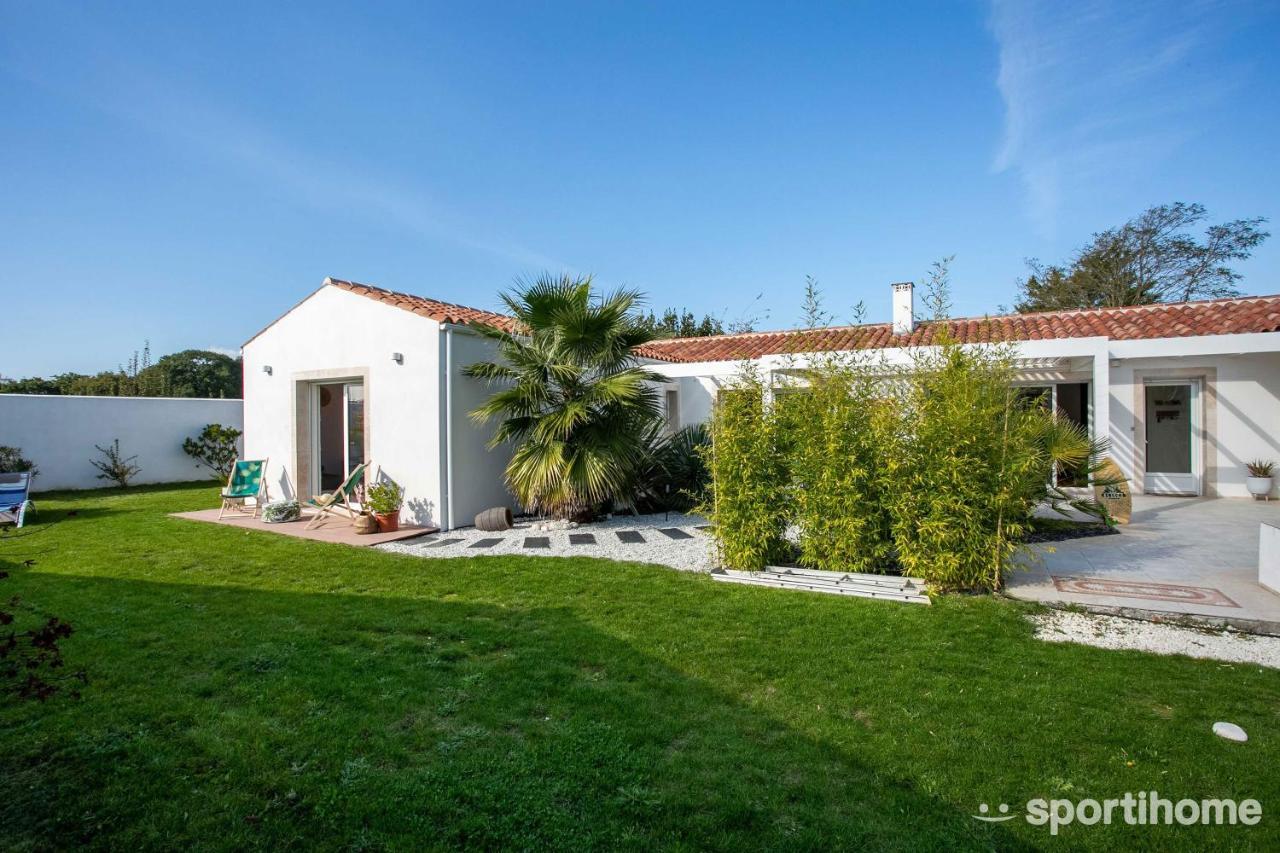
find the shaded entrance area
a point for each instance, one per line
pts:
(1188, 556)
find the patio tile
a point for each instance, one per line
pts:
(484, 543)
(630, 537)
(582, 539)
(674, 533)
(537, 542)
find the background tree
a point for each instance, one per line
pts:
(572, 396)
(679, 324)
(1151, 258)
(200, 373)
(190, 373)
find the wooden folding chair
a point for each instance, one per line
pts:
(339, 500)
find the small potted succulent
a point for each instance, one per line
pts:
(1259, 479)
(278, 512)
(384, 501)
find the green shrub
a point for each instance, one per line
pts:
(216, 448)
(11, 461)
(749, 501)
(970, 472)
(674, 476)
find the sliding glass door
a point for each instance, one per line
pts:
(337, 432)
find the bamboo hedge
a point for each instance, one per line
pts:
(932, 470)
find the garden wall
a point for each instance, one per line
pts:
(58, 434)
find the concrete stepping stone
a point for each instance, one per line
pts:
(674, 533)
(630, 537)
(1230, 731)
(582, 539)
(440, 543)
(537, 542)
(484, 543)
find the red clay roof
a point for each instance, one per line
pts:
(441, 312)
(1139, 322)
(1174, 320)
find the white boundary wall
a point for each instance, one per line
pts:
(58, 434)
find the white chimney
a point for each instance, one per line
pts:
(904, 308)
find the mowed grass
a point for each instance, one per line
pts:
(248, 691)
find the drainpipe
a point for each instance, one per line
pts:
(447, 496)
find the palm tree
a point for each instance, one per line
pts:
(572, 395)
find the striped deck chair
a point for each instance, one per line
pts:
(15, 496)
(247, 480)
(339, 500)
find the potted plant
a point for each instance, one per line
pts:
(384, 501)
(1259, 479)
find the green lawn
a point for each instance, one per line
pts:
(250, 690)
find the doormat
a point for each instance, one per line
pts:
(1144, 589)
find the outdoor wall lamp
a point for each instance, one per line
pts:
(266, 368)
(397, 357)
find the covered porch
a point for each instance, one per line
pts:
(1195, 557)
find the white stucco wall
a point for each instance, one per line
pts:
(59, 433)
(1247, 414)
(347, 334)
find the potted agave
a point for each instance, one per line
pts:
(1259, 479)
(384, 500)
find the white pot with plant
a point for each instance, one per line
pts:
(1259, 480)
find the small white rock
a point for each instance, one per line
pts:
(1230, 731)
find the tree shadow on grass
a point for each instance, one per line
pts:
(225, 717)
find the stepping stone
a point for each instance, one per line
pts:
(674, 533)
(484, 543)
(537, 542)
(630, 537)
(1230, 731)
(582, 539)
(440, 543)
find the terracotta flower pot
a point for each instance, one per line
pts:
(388, 522)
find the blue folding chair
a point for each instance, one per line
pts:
(15, 496)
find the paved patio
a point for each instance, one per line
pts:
(333, 529)
(1182, 556)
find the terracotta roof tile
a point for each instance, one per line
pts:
(441, 312)
(1140, 322)
(1176, 320)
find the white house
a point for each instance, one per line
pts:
(1188, 392)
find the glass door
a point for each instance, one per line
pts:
(337, 432)
(353, 426)
(1171, 411)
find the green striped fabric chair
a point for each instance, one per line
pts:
(338, 500)
(248, 480)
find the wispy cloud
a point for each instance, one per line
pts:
(1095, 90)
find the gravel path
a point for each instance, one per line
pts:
(692, 554)
(1114, 632)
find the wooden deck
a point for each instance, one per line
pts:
(335, 529)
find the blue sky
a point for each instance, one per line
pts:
(186, 173)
